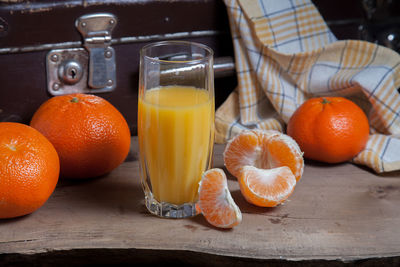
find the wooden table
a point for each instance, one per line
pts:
(337, 214)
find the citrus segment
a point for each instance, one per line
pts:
(282, 150)
(263, 149)
(246, 148)
(266, 187)
(215, 200)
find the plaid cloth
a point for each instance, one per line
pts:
(286, 54)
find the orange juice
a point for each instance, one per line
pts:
(176, 137)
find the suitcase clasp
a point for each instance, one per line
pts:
(91, 69)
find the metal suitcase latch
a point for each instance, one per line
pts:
(85, 70)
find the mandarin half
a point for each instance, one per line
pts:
(263, 149)
(267, 165)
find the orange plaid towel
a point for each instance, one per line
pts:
(286, 54)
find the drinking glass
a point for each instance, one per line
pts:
(175, 124)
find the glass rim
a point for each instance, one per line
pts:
(209, 55)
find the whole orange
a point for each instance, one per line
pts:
(329, 129)
(90, 135)
(29, 169)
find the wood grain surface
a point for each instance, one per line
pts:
(337, 214)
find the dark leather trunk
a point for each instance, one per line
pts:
(29, 30)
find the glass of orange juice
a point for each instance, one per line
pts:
(175, 124)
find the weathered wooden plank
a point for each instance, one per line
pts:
(337, 213)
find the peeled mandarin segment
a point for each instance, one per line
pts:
(266, 188)
(282, 150)
(215, 200)
(241, 150)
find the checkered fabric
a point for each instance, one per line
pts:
(286, 54)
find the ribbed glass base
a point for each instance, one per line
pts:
(167, 210)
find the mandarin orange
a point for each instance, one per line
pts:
(29, 169)
(267, 165)
(90, 135)
(266, 187)
(329, 129)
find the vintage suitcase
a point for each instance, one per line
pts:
(42, 40)
(49, 48)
